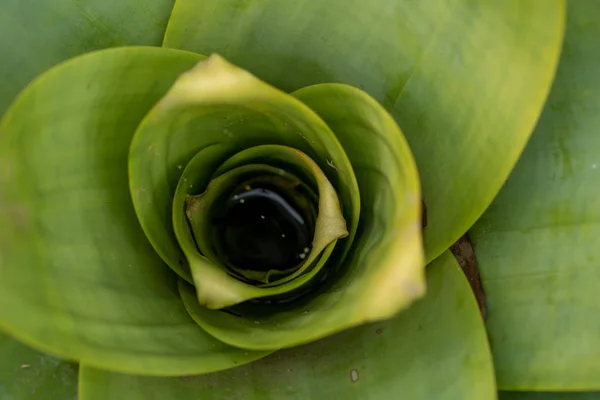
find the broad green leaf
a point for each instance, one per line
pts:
(26, 374)
(435, 350)
(383, 272)
(79, 278)
(219, 104)
(549, 396)
(37, 34)
(465, 79)
(537, 245)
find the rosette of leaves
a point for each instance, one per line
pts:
(255, 199)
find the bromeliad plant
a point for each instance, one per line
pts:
(253, 224)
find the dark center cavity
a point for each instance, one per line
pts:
(265, 225)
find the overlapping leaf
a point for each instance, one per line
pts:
(466, 80)
(79, 278)
(441, 338)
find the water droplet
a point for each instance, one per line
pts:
(283, 235)
(302, 256)
(179, 167)
(594, 166)
(242, 201)
(306, 249)
(354, 375)
(262, 217)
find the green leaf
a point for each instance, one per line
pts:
(383, 272)
(215, 287)
(537, 245)
(465, 79)
(26, 374)
(218, 104)
(549, 396)
(435, 350)
(79, 279)
(38, 34)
